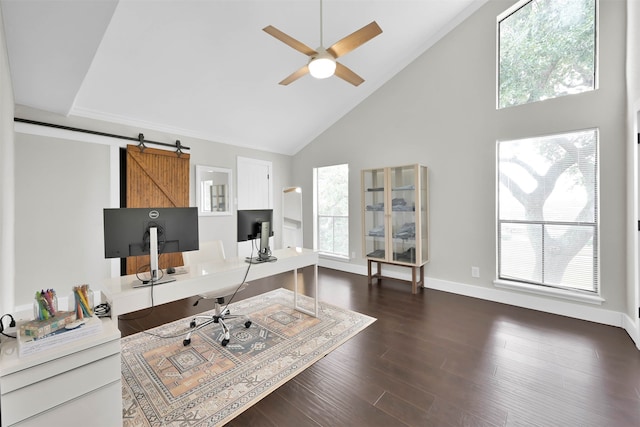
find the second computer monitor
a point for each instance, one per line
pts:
(254, 224)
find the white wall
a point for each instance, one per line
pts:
(6, 180)
(61, 188)
(440, 112)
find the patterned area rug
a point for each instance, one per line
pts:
(165, 383)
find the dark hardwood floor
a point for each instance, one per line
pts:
(439, 359)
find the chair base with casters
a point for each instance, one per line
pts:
(219, 317)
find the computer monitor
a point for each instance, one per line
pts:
(149, 231)
(254, 224)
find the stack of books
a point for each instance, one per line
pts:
(38, 335)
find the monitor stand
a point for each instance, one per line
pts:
(264, 255)
(261, 258)
(153, 263)
(153, 253)
(145, 283)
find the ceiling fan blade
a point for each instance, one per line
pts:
(295, 75)
(355, 39)
(347, 75)
(288, 40)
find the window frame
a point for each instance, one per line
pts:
(566, 292)
(596, 53)
(316, 215)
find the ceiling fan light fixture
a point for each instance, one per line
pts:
(322, 65)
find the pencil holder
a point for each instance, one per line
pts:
(45, 304)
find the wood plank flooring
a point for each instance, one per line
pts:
(439, 359)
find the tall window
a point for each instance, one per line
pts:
(331, 210)
(547, 49)
(548, 210)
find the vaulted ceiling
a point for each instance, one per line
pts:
(205, 68)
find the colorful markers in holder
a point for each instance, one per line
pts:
(83, 301)
(45, 304)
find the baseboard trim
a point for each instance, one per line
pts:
(548, 305)
(632, 329)
(345, 266)
(518, 299)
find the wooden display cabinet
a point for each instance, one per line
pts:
(395, 220)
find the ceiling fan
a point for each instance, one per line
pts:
(322, 62)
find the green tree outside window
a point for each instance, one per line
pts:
(547, 49)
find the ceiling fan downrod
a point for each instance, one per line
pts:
(321, 39)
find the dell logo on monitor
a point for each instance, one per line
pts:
(154, 214)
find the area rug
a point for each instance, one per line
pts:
(165, 383)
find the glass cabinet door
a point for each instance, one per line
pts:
(424, 214)
(402, 184)
(374, 227)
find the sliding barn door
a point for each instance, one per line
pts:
(156, 179)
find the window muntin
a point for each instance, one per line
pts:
(548, 210)
(331, 225)
(546, 49)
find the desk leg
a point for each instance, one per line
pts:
(313, 313)
(295, 288)
(315, 285)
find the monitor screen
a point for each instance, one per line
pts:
(250, 223)
(253, 224)
(127, 230)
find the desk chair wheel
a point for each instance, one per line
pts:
(192, 324)
(224, 342)
(247, 324)
(186, 342)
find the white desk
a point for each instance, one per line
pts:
(202, 278)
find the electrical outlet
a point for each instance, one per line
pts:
(475, 271)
